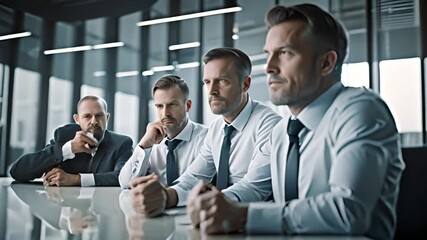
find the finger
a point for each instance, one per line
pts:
(50, 176)
(197, 189)
(215, 189)
(212, 225)
(139, 180)
(210, 212)
(50, 173)
(204, 223)
(152, 186)
(194, 215)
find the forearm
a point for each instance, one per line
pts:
(33, 165)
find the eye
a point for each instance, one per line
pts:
(222, 82)
(206, 82)
(285, 52)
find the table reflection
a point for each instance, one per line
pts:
(32, 211)
(90, 212)
(139, 227)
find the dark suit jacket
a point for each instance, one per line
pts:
(112, 153)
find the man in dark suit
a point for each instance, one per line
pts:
(81, 154)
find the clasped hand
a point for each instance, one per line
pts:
(57, 176)
(148, 195)
(209, 209)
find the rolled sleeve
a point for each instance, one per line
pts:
(265, 218)
(137, 165)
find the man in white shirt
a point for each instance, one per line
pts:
(171, 99)
(227, 80)
(339, 171)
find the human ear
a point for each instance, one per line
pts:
(76, 118)
(188, 104)
(329, 61)
(247, 83)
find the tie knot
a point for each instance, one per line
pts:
(172, 144)
(294, 127)
(228, 130)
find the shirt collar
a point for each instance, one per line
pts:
(240, 121)
(312, 114)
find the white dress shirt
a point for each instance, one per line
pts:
(86, 179)
(145, 161)
(350, 168)
(253, 126)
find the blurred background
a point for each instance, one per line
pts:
(53, 52)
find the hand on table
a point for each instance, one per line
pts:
(148, 195)
(217, 213)
(58, 177)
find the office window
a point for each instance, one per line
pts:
(90, 90)
(355, 74)
(59, 107)
(25, 111)
(400, 87)
(126, 115)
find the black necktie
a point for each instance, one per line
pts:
(292, 163)
(222, 177)
(171, 165)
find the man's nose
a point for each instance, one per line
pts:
(93, 120)
(213, 89)
(271, 65)
(166, 111)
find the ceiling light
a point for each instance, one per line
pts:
(99, 73)
(67, 50)
(15, 35)
(184, 45)
(163, 68)
(108, 45)
(235, 37)
(147, 73)
(188, 16)
(187, 65)
(127, 74)
(83, 48)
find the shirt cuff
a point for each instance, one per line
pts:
(67, 152)
(182, 196)
(232, 196)
(87, 179)
(265, 218)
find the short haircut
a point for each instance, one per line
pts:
(95, 98)
(325, 29)
(241, 60)
(169, 81)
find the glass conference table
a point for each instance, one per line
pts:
(32, 211)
